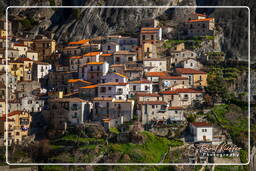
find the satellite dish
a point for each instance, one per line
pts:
(166, 84)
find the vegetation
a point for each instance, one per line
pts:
(243, 156)
(52, 2)
(114, 130)
(151, 151)
(76, 12)
(28, 23)
(232, 118)
(230, 168)
(172, 43)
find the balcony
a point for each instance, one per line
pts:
(119, 92)
(185, 99)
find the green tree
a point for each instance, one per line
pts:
(217, 87)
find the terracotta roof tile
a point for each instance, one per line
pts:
(124, 52)
(188, 90)
(189, 71)
(173, 78)
(75, 57)
(154, 59)
(142, 81)
(102, 99)
(156, 74)
(79, 42)
(112, 84)
(152, 102)
(89, 87)
(168, 92)
(201, 124)
(175, 108)
(141, 94)
(200, 20)
(92, 54)
(95, 63)
(121, 75)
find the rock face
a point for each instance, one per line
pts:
(74, 24)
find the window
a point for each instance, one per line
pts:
(109, 48)
(17, 133)
(153, 106)
(103, 89)
(146, 88)
(91, 68)
(152, 37)
(116, 80)
(204, 130)
(117, 59)
(191, 64)
(109, 88)
(176, 112)
(130, 59)
(98, 68)
(143, 37)
(74, 107)
(200, 77)
(134, 88)
(147, 49)
(186, 96)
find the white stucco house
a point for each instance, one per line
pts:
(113, 89)
(40, 70)
(155, 64)
(142, 85)
(201, 131)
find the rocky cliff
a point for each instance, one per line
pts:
(74, 24)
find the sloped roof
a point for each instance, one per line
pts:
(189, 71)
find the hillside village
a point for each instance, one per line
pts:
(124, 85)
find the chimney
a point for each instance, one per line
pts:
(60, 94)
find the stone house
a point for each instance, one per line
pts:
(73, 85)
(22, 49)
(90, 57)
(142, 85)
(74, 63)
(115, 90)
(123, 57)
(152, 34)
(18, 126)
(196, 78)
(166, 82)
(93, 71)
(176, 114)
(32, 55)
(112, 112)
(190, 63)
(155, 64)
(110, 47)
(199, 27)
(178, 56)
(114, 77)
(155, 76)
(140, 96)
(62, 112)
(72, 51)
(45, 48)
(107, 57)
(189, 95)
(151, 111)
